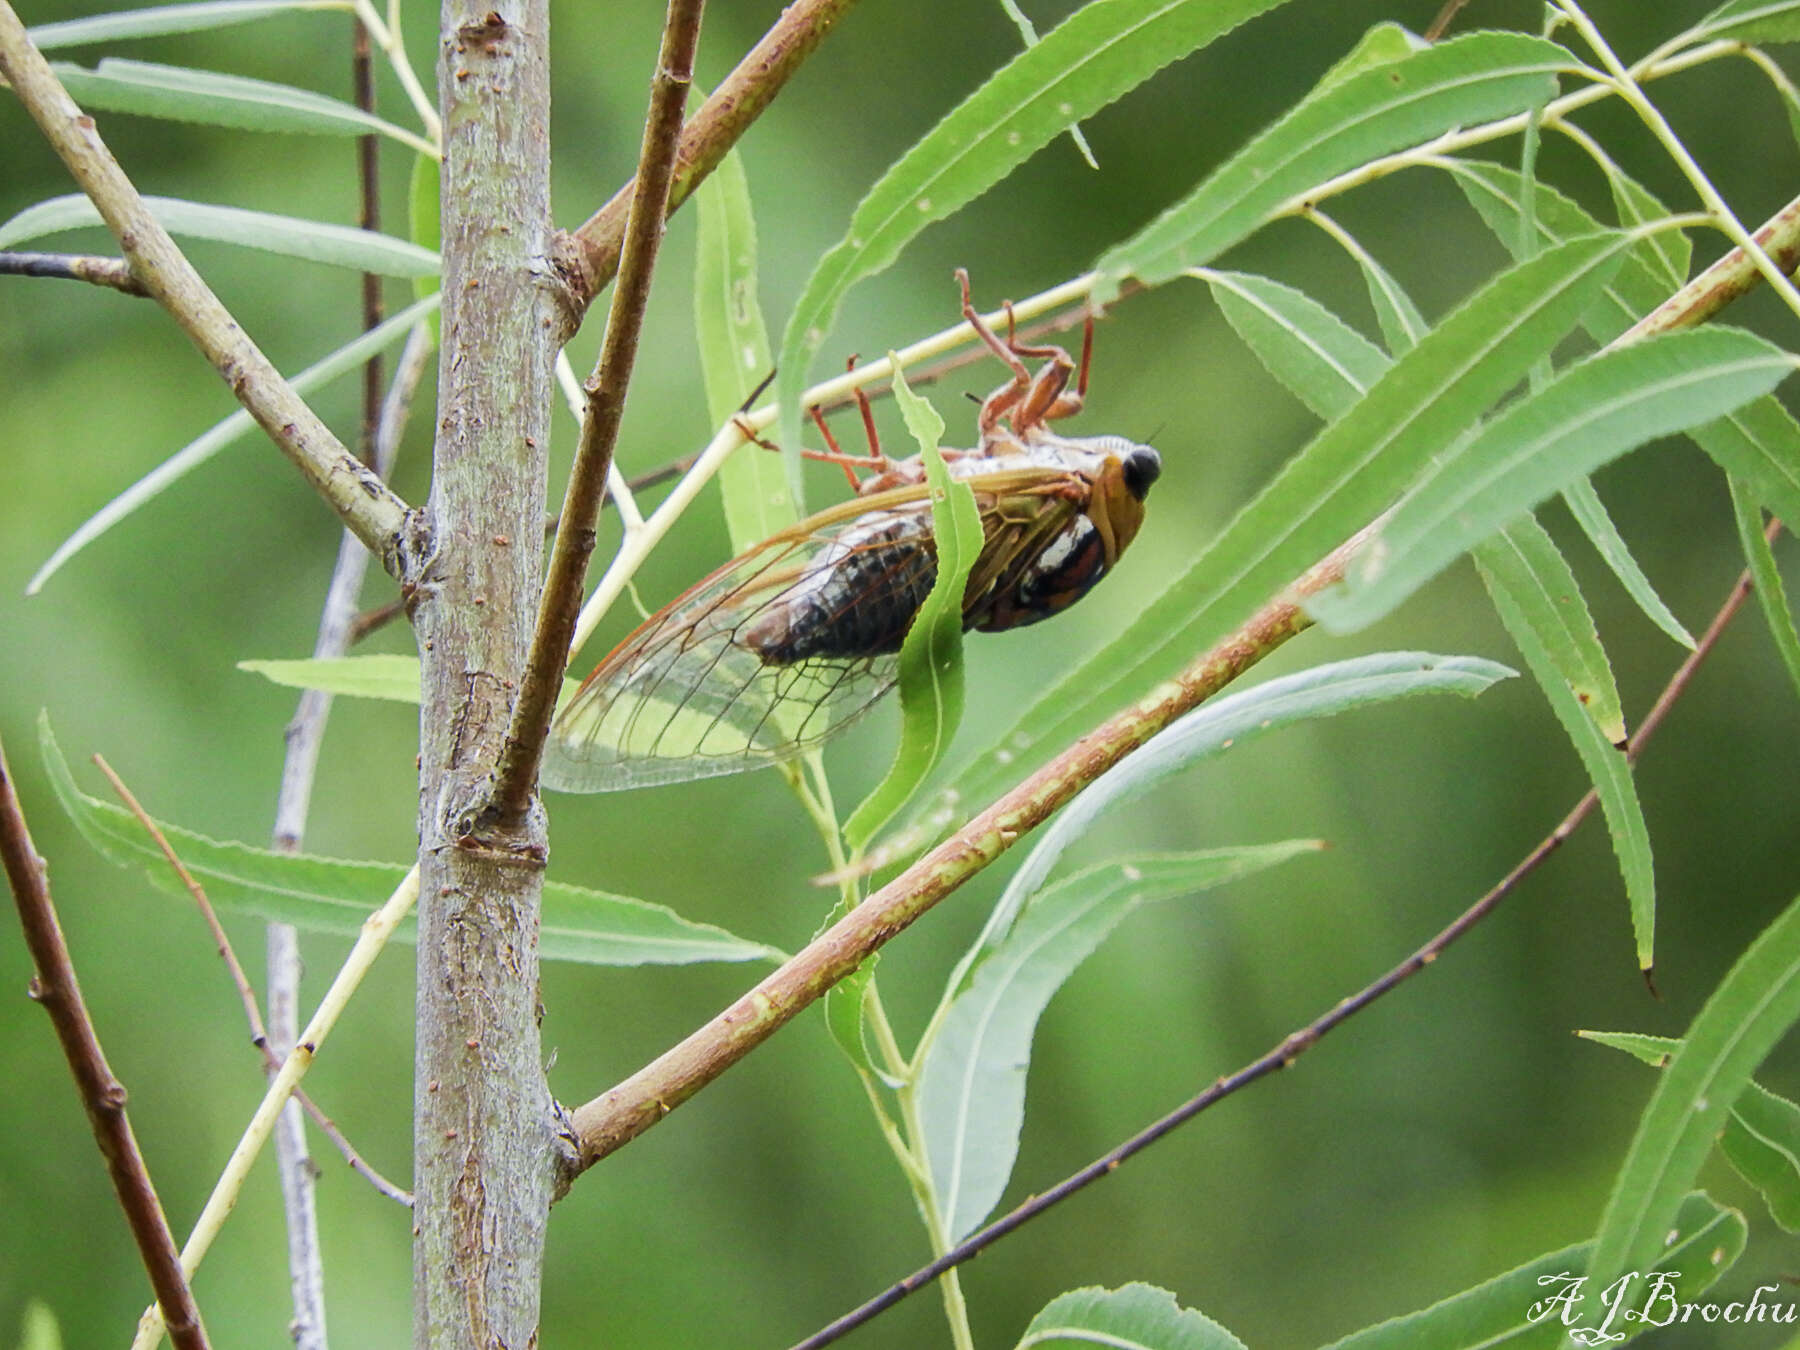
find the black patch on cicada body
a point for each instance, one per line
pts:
(858, 598)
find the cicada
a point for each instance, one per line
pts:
(786, 645)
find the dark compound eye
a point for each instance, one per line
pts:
(1143, 466)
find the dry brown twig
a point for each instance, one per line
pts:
(55, 987)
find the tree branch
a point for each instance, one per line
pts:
(616, 1117)
(709, 136)
(1294, 1045)
(365, 504)
(560, 604)
(113, 273)
(56, 987)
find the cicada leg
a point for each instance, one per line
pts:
(875, 463)
(1026, 401)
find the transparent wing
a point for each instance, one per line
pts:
(703, 689)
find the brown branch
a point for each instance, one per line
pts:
(365, 504)
(616, 1117)
(56, 988)
(1294, 1045)
(708, 138)
(113, 273)
(515, 782)
(259, 1035)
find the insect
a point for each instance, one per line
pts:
(789, 643)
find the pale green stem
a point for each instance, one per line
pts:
(1628, 89)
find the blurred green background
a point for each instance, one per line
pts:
(1454, 1131)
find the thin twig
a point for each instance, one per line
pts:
(516, 776)
(374, 936)
(259, 1035)
(56, 988)
(706, 140)
(365, 504)
(112, 273)
(616, 1117)
(1297, 1043)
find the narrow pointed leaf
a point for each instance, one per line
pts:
(290, 236)
(931, 660)
(1754, 1006)
(160, 20)
(333, 895)
(1384, 42)
(971, 1091)
(1322, 361)
(1759, 444)
(1642, 281)
(1771, 592)
(183, 94)
(1527, 591)
(1400, 104)
(1761, 1139)
(384, 676)
(196, 452)
(1524, 1308)
(734, 348)
(1590, 414)
(1351, 471)
(1101, 52)
(1751, 21)
(1134, 1317)
(1591, 514)
(39, 1329)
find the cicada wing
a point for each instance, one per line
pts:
(689, 696)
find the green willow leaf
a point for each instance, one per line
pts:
(160, 20)
(1351, 471)
(290, 236)
(1760, 445)
(183, 94)
(1750, 21)
(1529, 585)
(1319, 358)
(1754, 1006)
(1541, 582)
(1525, 1308)
(393, 677)
(971, 1088)
(931, 660)
(1588, 415)
(1590, 513)
(1401, 103)
(734, 348)
(333, 895)
(1761, 1139)
(1133, 1317)
(39, 1329)
(1771, 593)
(222, 433)
(1384, 42)
(1100, 53)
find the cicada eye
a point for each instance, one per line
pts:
(1143, 466)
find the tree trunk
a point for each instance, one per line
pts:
(486, 1140)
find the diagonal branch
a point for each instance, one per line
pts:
(706, 140)
(366, 505)
(1297, 1043)
(615, 1118)
(560, 605)
(56, 987)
